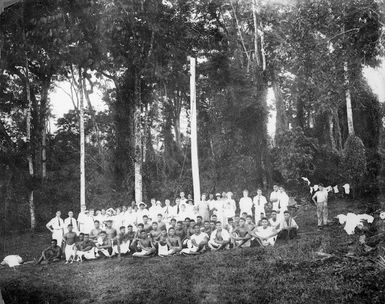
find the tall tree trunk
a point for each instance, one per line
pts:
(331, 127)
(43, 122)
(31, 202)
(256, 51)
(281, 123)
(138, 143)
(82, 142)
(348, 99)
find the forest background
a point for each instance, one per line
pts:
(310, 54)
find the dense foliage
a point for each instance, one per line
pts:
(136, 51)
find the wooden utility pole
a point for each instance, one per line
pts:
(194, 137)
(82, 144)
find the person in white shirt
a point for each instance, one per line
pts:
(183, 214)
(71, 220)
(273, 221)
(169, 211)
(259, 202)
(220, 238)
(182, 198)
(141, 212)
(288, 228)
(211, 202)
(204, 208)
(82, 218)
(246, 203)
(56, 226)
(129, 217)
(274, 198)
(265, 234)
(88, 223)
(197, 242)
(283, 201)
(152, 209)
(229, 207)
(320, 199)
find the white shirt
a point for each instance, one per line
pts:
(89, 224)
(199, 238)
(170, 211)
(259, 203)
(73, 222)
(56, 223)
(225, 235)
(274, 196)
(139, 215)
(245, 204)
(283, 200)
(264, 232)
(129, 218)
(229, 208)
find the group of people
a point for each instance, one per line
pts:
(186, 227)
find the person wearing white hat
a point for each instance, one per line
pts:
(141, 212)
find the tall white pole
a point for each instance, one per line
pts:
(194, 141)
(82, 145)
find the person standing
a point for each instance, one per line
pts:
(246, 203)
(203, 208)
(274, 198)
(259, 202)
(229, 207)
(82, 219)
(56, 226)
(70, 220)
(320, 199)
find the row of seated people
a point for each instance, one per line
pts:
(180, 237)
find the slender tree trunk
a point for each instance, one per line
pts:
(31, 202)
(348, 99)
(82, 142)
(138, 143)
(256, 51)
(43, 121)
(332, 140)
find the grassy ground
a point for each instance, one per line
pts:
(289, 273)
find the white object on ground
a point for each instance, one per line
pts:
(352, 220)
(346, 188)
(341, 218)
(382, 215)
(12, 260)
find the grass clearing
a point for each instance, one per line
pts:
(288, 273)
